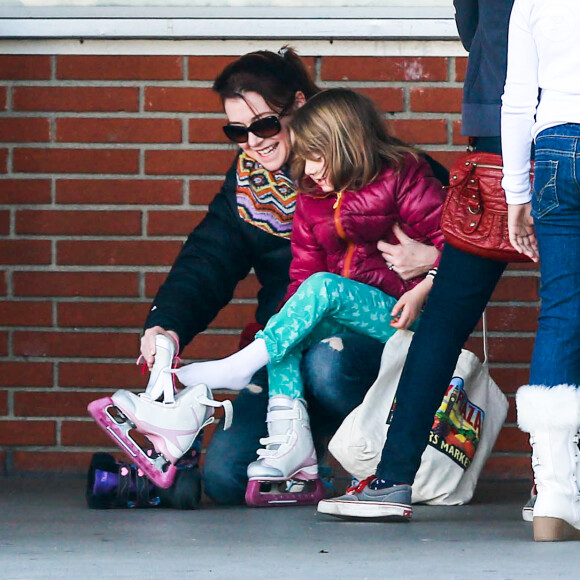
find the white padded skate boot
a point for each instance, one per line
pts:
(161, 383)
(552, 417)
(289, 451)
(172, 427)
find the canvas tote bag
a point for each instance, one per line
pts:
(464, 430)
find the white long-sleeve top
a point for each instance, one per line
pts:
(544, 61)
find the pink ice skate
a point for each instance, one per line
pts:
(171, 426)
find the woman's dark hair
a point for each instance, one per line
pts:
(277, 77)
(347, 131)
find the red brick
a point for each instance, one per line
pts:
(512, 439)
(3, 98)
(235, 316)
(113, 253)
(523, 267)
(97, 314)
(25, 313)
(207, 68)
(84, 130)
(3, 160)
(247, 288)
(3, 286)
(83, 434)
(3, 343)
(182, 100)
(102, 375)
(460, 68)
(4, 222)
(512, 318)
(173, 223)
(420, 131)
(509, 379)
(516, 288)
(53, 403)
(110, 99)
(25, 191)
(512, 413)
(192, 162)
(26, 374)
(24, 67)
(458, 138)
(157, 68)
(212, 346)
(82, 223)
(503, 349)
(42, 462)
(76, 344)
(76, 284)
(24, 129)
(3, 406)
(436, 100)
(447, 158)
(25, 251)
(27, 433)
(119, 191)
(201, 192)
(507, 467)
(389, 100)
(33, 160)
(206, 131)
(370, 68)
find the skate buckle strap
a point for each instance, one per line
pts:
(282, 415)
(225, 404)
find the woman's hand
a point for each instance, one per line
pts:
(521, 230)
(410, 258)
(148, 343)
(410, 304)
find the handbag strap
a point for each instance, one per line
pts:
(484, 326)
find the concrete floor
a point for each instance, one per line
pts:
(46, 531)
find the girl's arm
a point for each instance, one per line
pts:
(307, 255)
(410, 304)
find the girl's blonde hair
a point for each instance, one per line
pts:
(345, 129)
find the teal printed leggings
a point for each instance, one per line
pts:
(324, 305)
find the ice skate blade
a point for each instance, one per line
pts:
(157, 469)
(268, 493)
(366, 511)
(554, 530)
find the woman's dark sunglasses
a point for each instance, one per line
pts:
(265, 127)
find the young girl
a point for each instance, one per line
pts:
(357, 184)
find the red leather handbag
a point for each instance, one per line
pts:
(475, 212)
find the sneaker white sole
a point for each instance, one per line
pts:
(368, 510)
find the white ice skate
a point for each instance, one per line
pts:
(288, 456)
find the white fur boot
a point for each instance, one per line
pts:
(552, 418)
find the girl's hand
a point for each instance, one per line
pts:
(148, 343)
(521, 230)
(409, 258)
(410, 304)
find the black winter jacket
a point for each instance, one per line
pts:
(219, 253)
(483, 28)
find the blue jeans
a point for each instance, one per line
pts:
(461, 290)
(335, 382)
(556, 213)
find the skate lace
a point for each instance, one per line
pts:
(360, 486)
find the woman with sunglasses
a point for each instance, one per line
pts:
(247, 227)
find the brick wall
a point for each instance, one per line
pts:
(106, 163)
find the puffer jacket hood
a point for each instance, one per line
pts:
(339, 233)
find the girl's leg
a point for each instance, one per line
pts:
(549, 407)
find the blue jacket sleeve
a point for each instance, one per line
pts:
(467, 19)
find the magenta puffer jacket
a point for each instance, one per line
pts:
(339, 233)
